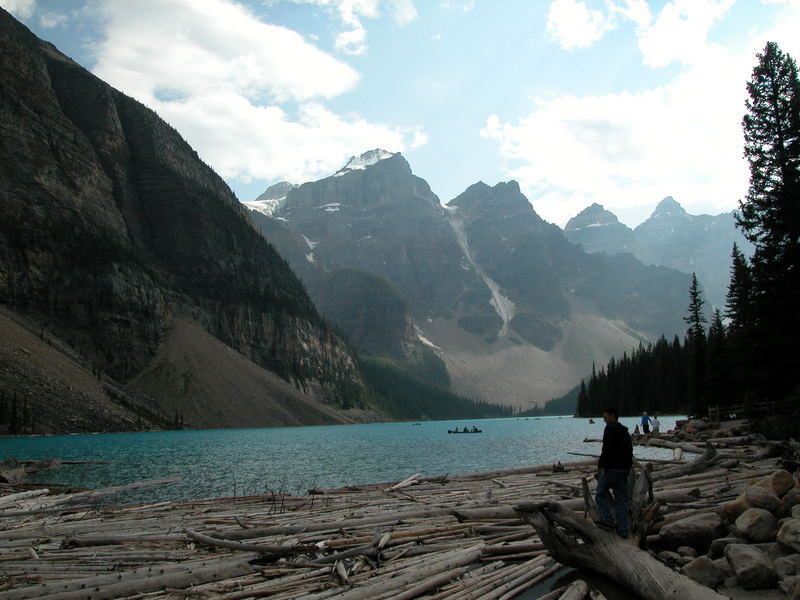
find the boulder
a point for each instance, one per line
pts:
(788, 502)
(671, 559)
(791, 587)
(703, 570)
(757, 525)
(760, 497)
(787, 566)
(697, 531)
(789, 534)
(687, 551)
(723, 565)
(733, 509)
(778, 482)
(796, 511)
(717, 548)
(753, 570)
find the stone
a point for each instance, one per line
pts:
(669, 558)
(787, 566)
(779, 482)
(789, 534)
(788, 502)
(760, 497)
(703, 570)
(697, 531)
(717, 547)
(791, 587)
(757, 525)
(687, 551)
(796, 511)
(733, 509)
(753, 570)
(725, 567)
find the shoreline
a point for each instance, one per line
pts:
(448, 535)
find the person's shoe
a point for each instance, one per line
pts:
(604, 525)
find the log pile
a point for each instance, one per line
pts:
(457, 537)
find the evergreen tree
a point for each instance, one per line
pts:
(696, 338)
(770, 219)
(583, 400)
(716, 386)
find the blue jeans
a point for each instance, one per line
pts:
(612, 491)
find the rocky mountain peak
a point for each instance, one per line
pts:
(668, 207)
(272, 199)
(591, 216)
(367, 159)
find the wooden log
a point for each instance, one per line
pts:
(708, 458)
(576, 590)
(11, 498)
(576, 542)
(405, 483)
(270, 550)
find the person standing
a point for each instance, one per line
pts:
(645, 424)
(613, 468)
(656, 424)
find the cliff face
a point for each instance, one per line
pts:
(112, 227)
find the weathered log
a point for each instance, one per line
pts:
(577, 543)
(10, 498)
(576, 590)
(271, 550)
(708, 458)
(405, 483)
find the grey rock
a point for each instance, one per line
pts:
(789, 534)
(788, 502)
(723, 565)
(791, 587)
(757, 524)
(787, 566)
(753, 569)
(796, 511)
(760, 497)
(703, 570)
(669, 558)
(717, 548)
(687, 551)
(697, 531)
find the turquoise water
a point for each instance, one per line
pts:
(228, 462)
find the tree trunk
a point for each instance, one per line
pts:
(575, 542)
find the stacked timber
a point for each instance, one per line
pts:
(462, 536)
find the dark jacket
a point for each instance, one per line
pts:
(617, 450)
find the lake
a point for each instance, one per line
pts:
(231, 462)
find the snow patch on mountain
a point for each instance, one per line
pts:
(266, 207)
(502, 305)
(359, 163)
(425, 340)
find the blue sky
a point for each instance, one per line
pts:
(620, 102)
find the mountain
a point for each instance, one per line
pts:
(125, 253)
(516, 311)
(670, 237)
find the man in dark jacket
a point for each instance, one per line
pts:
(613, 469)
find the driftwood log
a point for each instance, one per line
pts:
(576, 542)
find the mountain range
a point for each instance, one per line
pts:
(670, 237)
(134, 289)
(516, 311)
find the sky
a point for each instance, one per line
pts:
(618, 102)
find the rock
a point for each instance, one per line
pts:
(757, 525)
(779, 482)
(796, 512)
(787, 566)
(733, 509)
(687, 551)
(789, 534)
(717, 548)
(790, 499)
(704, 571)
(697, 531)
(671, 559)
(791, 587)
(753, 570)
(696, 425)
(760, 497)
(723, 565)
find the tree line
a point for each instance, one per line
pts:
(747, 356)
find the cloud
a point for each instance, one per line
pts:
(353, 40)
(574, 25)
(681, 30)
(247, 95)
(22, 9)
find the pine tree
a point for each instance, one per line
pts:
(696, 341)
(770, 219)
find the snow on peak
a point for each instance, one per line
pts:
(266, 207)
(365, 160)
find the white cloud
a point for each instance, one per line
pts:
(681, 30)
(50, 20)
(574, 25)
(245, 94)
(22, 9)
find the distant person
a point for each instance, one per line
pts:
(613, 468)
(656, 425)
(645, 424)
